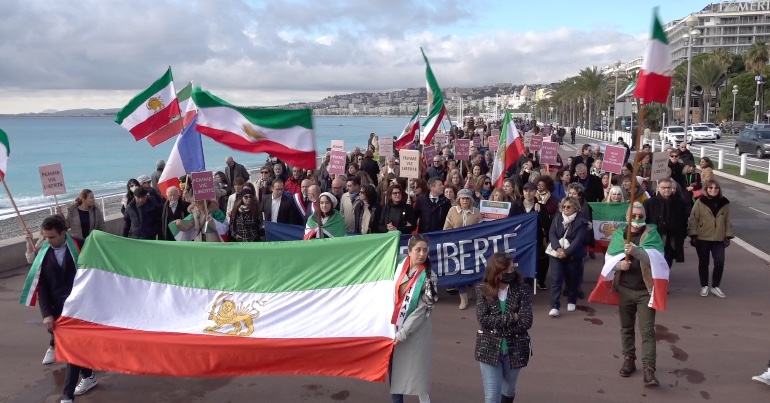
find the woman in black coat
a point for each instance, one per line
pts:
(397, 214)
(368, 208)
(567, 262)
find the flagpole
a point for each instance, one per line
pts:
(18, 214)
(636, 170)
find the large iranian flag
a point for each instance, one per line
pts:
(286, 134)
(510, 149)
(607, 218)
(206, 309)
(151, 110)
(654, 80)
(187, 106)
(5, 153)
(653, 246)
(410, 131)
(436, 110)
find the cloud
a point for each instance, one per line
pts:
(99, 53)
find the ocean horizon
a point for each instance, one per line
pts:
(97, 154)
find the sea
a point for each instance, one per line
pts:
(95, 153)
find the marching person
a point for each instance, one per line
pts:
(410, 370)
(397, 214)
(504, 313)
(567, 241)
(462, 215)
(669, 214)
(710, 231)
(246, 219)
(83, 216)
(57, 264)
(173, 209)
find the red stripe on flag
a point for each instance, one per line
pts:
(295, 158)
(130, 351)
(652, 87)
(660, 294)
(166, 132)
(603, 294)
(432, 130)
(156, 121)
(188, 117)
(163, 186)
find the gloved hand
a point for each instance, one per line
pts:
(727, 242)
(693, 240)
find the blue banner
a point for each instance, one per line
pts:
(459, 256)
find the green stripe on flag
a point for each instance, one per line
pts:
(437, 103)
(185, 92)
(139, 100)
(609, 211)
(653, 241)
(268, 118)
(4, 142)
(264, 267)
(658, 33)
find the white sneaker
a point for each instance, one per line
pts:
(65, 401)
(85, 385)
(553, 313)
(716, 291)
(704, 291)
(49, 356)
(571, 307)
(764, 378)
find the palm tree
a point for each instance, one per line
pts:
(707, 75)
(756, 57)
(722, 58)
(592, 84)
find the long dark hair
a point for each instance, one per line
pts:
(129, 193)
(371, 195)
(388, 196)
(496, 265)
(414, 240)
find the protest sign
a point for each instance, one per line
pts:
(429, 152)
(386, 146)
(549, 153)
(492, 210)
(337, 161)
(528, 139)
(536, 144)
(459, 256)
(494, 143)
(52, 179)
(338, 145)
(546, 131)
(439, 138)
(462, 149)
(477, 141)
(203, 185)
(614, 158)
(410, 164)
(659, 166)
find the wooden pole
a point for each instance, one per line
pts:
(18, 214)
(634, 184)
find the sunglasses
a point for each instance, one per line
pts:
(395, 194)
(247, 196)
(487, 183)
(637, 216)
(567, 207)
(714, 187)
(264, 172)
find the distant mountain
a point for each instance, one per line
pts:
(87, 112)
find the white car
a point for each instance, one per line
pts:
(714, 128)
(701, 133)
(673, 134)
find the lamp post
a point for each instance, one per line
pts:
(693, 34)
(550, 115)
(758, 79)
(735, 93)
(615, 100)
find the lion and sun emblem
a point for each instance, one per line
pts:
(232, 319)
(252, 132)
(155, 104)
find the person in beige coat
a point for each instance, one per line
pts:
(462, 215)
(83, 216)
(710, 231)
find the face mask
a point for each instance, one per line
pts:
(637, 223)
(132, 188)
(485, 192)
(508, 278)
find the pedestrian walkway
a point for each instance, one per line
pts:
(708, 349)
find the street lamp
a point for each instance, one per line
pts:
(615, 101)
(690, 37)
(550, 115)
(735, 93)
(758, 79)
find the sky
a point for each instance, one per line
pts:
(100, 53)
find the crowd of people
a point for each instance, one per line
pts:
(372, 198)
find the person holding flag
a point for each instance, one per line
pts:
(510, 150)
(635, 278)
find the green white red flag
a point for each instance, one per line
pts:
(283, 133)
(510, 148)
(180, 314)
(436, 109)
(186, 104)
(5, 153)
(410, 131)
(626, 92)
(654, 81)
(152, 110)
(607, 218)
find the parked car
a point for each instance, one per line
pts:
(717, 131)
(733, 127)
(753, 141)
(673, 134)
(701, 133)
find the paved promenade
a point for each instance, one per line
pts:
(708, 349)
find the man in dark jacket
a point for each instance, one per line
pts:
(57, 275)
(432, 207)
(173, 209)
(154, 194)
(235, 170)
(591, 183)
(279, 207)
(141, 220)
(685, 155)
(438, 168)
(583, 158)
(669, 213)
(370, 166)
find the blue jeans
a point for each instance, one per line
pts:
(568, 272)
(498, 380)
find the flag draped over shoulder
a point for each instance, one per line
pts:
(181, 314)
(5, 153)
(410, 131)
(654, 80)
(286, 134)
(333, 228)
(152, 110)
(510, 149)
(220, 227)
(436, 109)
(186, 157)
(29, 292)
(607, 218)
(653, 245)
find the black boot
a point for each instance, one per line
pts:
(507, 399)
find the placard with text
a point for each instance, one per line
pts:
(386, 146)
(536, 144)
(659, 166)
(409, 166)
(52, 179)
(203, 185)
(337, 162)
(429, 151)
(614, 159)
(549, 153)
(494, 142)
(462, 149)
(338, 145)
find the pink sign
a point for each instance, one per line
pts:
(477, 141)
(614, 158)
(386, 146)
(494, 143)
(546, 131)
(462, 149)
(537, 143)
(203, 186)
(52, 179)
(337, 161)
(549, 153)
(429, 152)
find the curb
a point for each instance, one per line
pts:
(754, 251)
(741, 180)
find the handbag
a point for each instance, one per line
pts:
(696, 193)
(563, 242)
